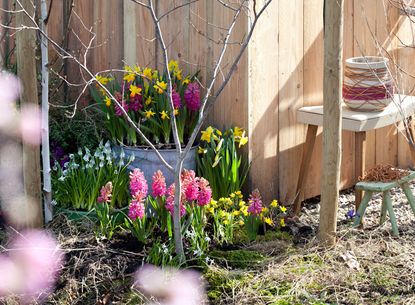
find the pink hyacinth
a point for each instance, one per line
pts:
(31, 268)
(159, 184)
(205, 192)
(120, 99)
(255, 203)
(192, 96)
(137, 208)
(136, 102)
(138, 183)
(170, 201)
(177, 101)
(105, 193)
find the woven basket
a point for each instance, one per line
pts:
(367, 84)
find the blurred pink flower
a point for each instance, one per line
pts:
(170, 286)
(30, 124)
(159, 184)
(10, 88)
(32, 266)
(177, 101)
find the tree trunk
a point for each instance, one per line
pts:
(26, 71)
(330, 182)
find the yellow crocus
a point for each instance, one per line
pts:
(268, 221)
(149, 113)
(148, 73)
(236, 213)
(134, 90)
(107, 101)
(130, 77)
(213, 202)
(164, 115)
(211, 210)
(160, 86)
(206, 135)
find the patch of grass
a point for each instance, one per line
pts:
(273, 235)
(237, 258)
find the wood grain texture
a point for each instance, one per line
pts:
(290, 57)
(263, 105)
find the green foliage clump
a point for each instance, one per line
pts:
(238, 258)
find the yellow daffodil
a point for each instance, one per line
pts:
(148, 73)
(176, 111)
(103, 80)
(130, 77)
(206, 135)
(178, 74)
(274, 203)
(107, 101)
(232, 195)
(236, 213)
(103, 92)
(225, 222)
(243, 140)
(229, 201)
(149, 101)
(283, 209)
(128, 68)
(134, 90)
(241, 223)
(155, 74)
(164, 115)
(173, 65)
(268, 221)
(237, 131)
(160, 86)
(149, 113)
(137, 69)
(201, 150)
(265, 210)
(186, 81)
(282, 222)
(238, 193)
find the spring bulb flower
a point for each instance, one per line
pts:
(105, 193)
(138, 183)
(159, 184)
(255, 203)
(205, 192)
(136, 208)
(192, 96)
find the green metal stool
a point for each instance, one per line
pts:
(384, 187)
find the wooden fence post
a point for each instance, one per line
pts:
(26, 71)
(330, 182)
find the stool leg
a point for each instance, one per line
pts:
(409, 196)
(391, 213)
(384, 211)
(362, 208)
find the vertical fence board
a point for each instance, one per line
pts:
(263, 105)
(291, 134)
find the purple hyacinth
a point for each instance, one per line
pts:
(192, 96)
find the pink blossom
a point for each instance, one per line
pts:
(105, 193)
(32, 266)
(159, 184)
(205, 192)
(177, 101)
(192, 96)
(30, 124)
(170, 201)
(137, 208)
(10, 88)
(138, 183)
(171, 286)
(255, 203)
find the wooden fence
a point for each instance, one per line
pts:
(281, 70)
